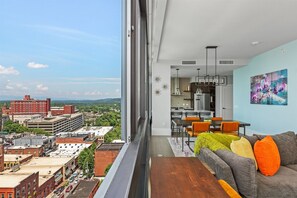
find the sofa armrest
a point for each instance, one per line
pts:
(222, 169)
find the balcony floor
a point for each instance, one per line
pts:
(160, 147)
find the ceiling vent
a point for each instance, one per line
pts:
(188, 62)
(226, 62)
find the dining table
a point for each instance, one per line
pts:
(215, 124)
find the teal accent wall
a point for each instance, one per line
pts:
(267, 119)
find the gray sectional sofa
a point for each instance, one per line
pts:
(241, 173)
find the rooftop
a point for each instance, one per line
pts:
(43, 170)
(23, 147)
(12, 157)
(54, 118)
(43, 179)
(84, 188)
(47, 161)
(110, 146)
(44, 165)
(98, 130)
(72, 135)
(11, 181)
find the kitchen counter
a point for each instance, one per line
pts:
(184, 111)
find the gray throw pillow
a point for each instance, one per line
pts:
(244, 172)
(251, 139)
(287, 146)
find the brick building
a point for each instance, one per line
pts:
(46, 186)
(28, 106)
(11, 160)
(105, 154)
(67, 109)
(36, 150)
(19, 185)
(1, 157)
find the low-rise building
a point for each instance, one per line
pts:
(35, 150)
(19, 185)
(105, 154)
(67, 109)
(71, 144)
(11, 160)
(58, 123)
(99, 131)
(46, 142)
(22, 119)
(86, 189)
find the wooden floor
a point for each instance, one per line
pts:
(160, 147)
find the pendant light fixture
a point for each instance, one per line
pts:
(206, 77)
(198, 90)
(212, 80)
(177, 90)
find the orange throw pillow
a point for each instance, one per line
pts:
(228, 189)
(267, 156)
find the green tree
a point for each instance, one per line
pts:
(86, 160)
(115, 134)
(107, 168)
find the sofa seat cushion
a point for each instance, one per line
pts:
(287, 146)
(282, 184)
(244, 172)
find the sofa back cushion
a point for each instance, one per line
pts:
(287, 146)
(244, 172)
(267, 156)
(252, 139)
(243, 148)
(220, 167)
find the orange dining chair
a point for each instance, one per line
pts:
(216, 119)
(231, 128)
(197, 128)
(192, 118)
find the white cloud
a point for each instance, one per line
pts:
(8, 71)
(41, 87)
(117, 91)
(21, 86)
(34, 65)
(75, 93)
(9, 87)
(93, 93)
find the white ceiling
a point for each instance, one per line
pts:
(181, 29)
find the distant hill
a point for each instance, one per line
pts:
(99, 101)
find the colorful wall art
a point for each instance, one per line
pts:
(270, 88)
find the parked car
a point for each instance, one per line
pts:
(69, 188)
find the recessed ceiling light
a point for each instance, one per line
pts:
(255, 43)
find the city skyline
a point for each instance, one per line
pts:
(60, 50)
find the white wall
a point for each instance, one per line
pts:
(161, 102)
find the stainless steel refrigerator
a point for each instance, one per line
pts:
(202, 101)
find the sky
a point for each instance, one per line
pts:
(62, 49)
